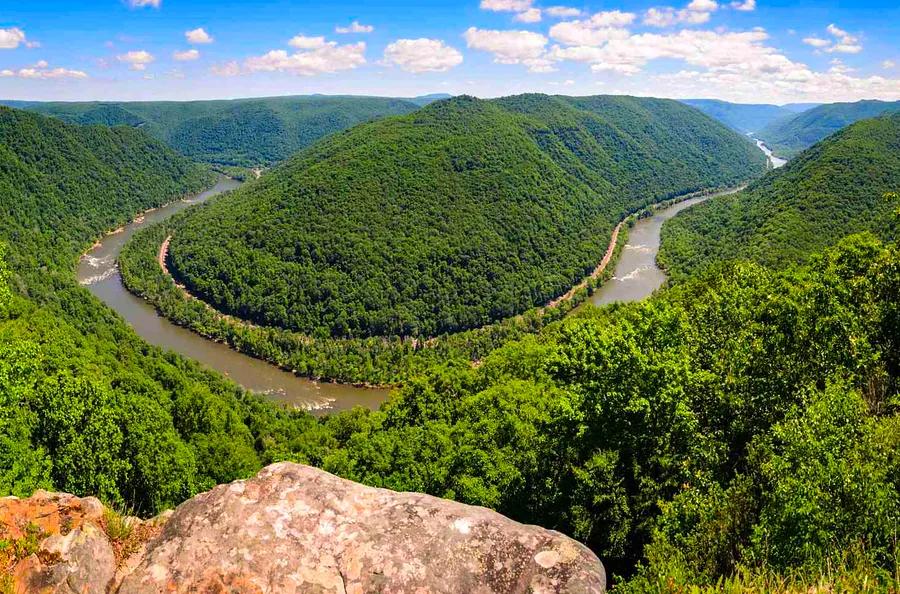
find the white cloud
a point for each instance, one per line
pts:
(42, 71)
(816, 42)
(143, 3)
(511, 47)
(703, 6)
(137, 60)
(506, 5)
(326, 58)
(732, 65)
(845, 44)
(695, 13)
(583, 33)
(845, 48)
(745, 6)
(227, 69)
(198, 36)
(186, 55)
(422, 55)
(11, 38)
(532, 15)
(307, 43)
(613, 18)
(888, 64)
(562, 12)
(355, 27)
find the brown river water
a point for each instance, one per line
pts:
(99, 273)
(636, 277)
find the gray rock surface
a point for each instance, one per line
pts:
(294, 529)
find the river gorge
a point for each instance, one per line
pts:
(636, 277)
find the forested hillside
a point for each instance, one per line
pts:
(741, 425)
(247, 132)
(831, 190)
(787, 137)
(463, 213)
(85, 405)
(743, 117)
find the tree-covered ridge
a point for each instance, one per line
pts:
(452, 217)
(831, 190)
(787, 137)
(743, 117)
(63, 185)
(247, 132)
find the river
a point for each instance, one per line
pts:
(98, 271)
(637, 275)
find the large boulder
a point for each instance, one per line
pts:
(290, 529)
(293, 528)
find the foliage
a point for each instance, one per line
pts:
(789, 136)
(831, 190)
(743, 117)
(247, 132)
(461, 214)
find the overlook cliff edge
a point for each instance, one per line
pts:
(289, 529)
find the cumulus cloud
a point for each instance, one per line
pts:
(745, 6)
(144, 3)
(11, 38)
(355, 27)
(186, 56)
(584, 33)
(695, 13)
(137, 60)
(42, 71)
(506, 5)
(817, 42)
(511, 47)
(198, 36)
(532, 15)
(563, 12)
(422, 55)
(307, 43)
(888, 64)
(315, 59)
(227, 69)
(843, 42)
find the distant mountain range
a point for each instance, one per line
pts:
(828, 191)
(246, 132)
(787, 137)
(745, 118)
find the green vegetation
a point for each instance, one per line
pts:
(787, 137)
(831, 190)
(738, 430)
(85, 405)
(246, 132)
(743, 117)
(459, 215)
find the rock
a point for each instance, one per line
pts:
(291, 529)
(65, 550)
(295, 529)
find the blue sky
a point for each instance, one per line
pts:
(738, 50)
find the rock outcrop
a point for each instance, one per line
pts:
(293, 529)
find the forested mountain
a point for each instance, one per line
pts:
(830, 190)
(742, 425)
(743, 117)
(465, 212)
(248, 132)
(787, 137)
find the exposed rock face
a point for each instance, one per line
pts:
(62, 546)
(295, 529)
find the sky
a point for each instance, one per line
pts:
(748, 51)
